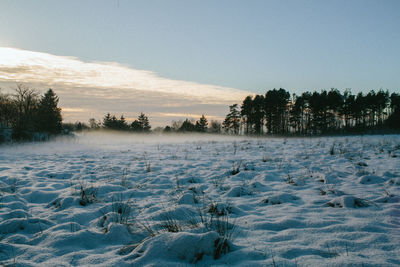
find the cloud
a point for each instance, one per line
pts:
(186, 115)
(100, 87)
(68, 109)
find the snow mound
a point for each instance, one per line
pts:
(394, 181)
(173, 247)
(280, 198)
(371, 179)
(348, 202)
(238, 191)
(388, 199)
(390, 174)
(187, 198)
(331, 178)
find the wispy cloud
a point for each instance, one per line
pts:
(68, 109)
(101, 87)
(187, 115)
(28, 66)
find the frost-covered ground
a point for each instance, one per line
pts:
(115, 200)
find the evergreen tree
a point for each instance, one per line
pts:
(144, 122)
(347, 108)
(187, 126)
(275, 110)
(49, 114)
(393, 120)
(246, 111)
(382, 101)
(335, 104)
(297, 114)
(122, 124)
(167, 129)
(231, 123)
(258, 114)
(394, 102)
(141, 124)
(107, 123)
(201, 124)
(360, 111)
(136, 126)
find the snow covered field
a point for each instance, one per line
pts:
(117, 200)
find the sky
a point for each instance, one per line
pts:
(176, 59)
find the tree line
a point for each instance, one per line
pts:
(111, 122)
(142, 125)
(27, 113)
(279, 113)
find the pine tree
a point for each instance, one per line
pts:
(258, 114)
(231, 123)
(49, 114)
(121, 123)
(144, 122)
(187, 126)
(246, 111)
(107, 121)
(141, 124)
(136, 127)
(394, 119)
(275, 109)
(201, 124)
(297, 113)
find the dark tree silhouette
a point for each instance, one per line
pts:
(393, 120)
(275, 109)
(317, 112)
(258, 114)
(107, 121)
(111, 122)
(167, 129)
(347, 108)
(144, 122)
(141, 124)
(25, 114)
(187, 126)
(231, 123)
(297, 114)
(201, 124)
(122, 124)
(26, 101)
(246, 111)
(335, 103)
(8, 111)
(49, 118)
(381, 100)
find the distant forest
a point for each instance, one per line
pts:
(25, 115)
(313, 113)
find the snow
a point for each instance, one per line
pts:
(165, 200)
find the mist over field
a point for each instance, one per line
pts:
(108, 139)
